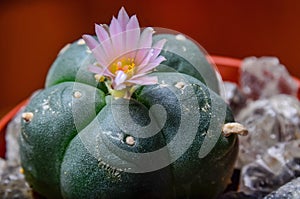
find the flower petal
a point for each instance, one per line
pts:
(114, 27)
(107, 73)
(104, 40)
(150, 66)
(132, 36)
(133, 23)
(95, 69)
(160, 59)
(116, 35)
(101, 71)
(119, 79)
(123, 18)
(90, 41)
(144, 80)
(146, 59)
(100, 56)
(120, 87)
(158, 46)
(144, 45)
(101, 33)
(108, 50)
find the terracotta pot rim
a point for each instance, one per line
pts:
(226, 61)
(8, 116)
(236, 63)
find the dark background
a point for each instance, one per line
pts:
(33, 32)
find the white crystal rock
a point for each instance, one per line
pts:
(12, 181)
(234, 97)
(279, 165)
(269, 121)
(290, 190)
(11, 137)
(264, 77)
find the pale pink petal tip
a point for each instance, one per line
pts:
(101, 33)
(133, 23)
(150, 66)
(146, 38)
(90, 41)
(158, 46)
(123, 18)
(115, 27)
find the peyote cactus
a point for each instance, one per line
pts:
(148, 124)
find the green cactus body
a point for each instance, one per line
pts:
(82, 143)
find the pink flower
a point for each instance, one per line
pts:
(125, 55)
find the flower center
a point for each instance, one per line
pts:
(126, 65)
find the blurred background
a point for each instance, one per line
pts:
(33, 32)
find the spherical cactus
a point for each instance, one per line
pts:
(126, 132)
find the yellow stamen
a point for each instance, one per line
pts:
(21, 170)
(99, 78)
(125, 65)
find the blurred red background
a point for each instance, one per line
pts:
(33, 32)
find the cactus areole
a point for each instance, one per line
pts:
(128, 113)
